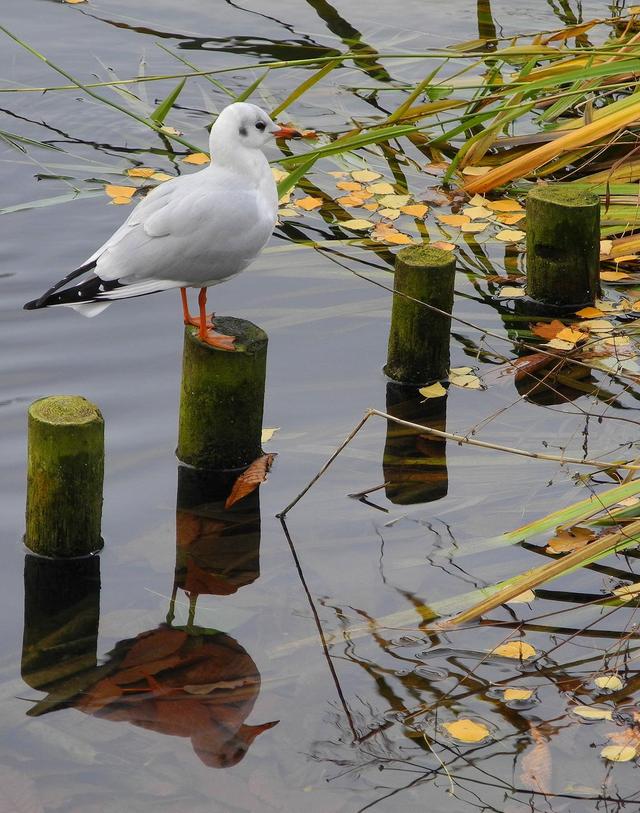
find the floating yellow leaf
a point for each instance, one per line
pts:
(470, 382)
(460, 370)
(475, 212)
(614, 276)
(592, 713)
(433, 391)
(161, 176)
(478, 200)
(605, 247)
(349, 200)
(365, 175)
(522, 598)
(510, 235)
(506, 205)
(309, 203)
(569, 335)
(399, 239)
(473, 228)
(415, 209)
(476, 171)
(625, 258)
(466, 730)
(73, 2)
(141, 172)
(386, 233)
(618, 341)
(454, 220)
(338, 174)
(288, 212)
(618, 753)
(390, 214)
(520, 650)
(196, 158)
(510, 220)
(121, 201)
(511, 292)
(517, 694)
(394, 201)
(610, 683)
(442, 244)
(596, 325)
(268, 433)
(278, 174)
(349, 186)
(559, 344)
(589, 313)
(120, 191)
(371, 207)
(362, 194)
(628, 591)
(382, 188)
(357, 224)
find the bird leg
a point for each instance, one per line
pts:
(206, 333)
(188, 318)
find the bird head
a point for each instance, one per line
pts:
(245, 125)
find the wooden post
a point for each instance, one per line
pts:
(563, 246)
(222, 397)
(64, 476)
(419, 337)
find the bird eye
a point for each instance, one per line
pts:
(260, 125)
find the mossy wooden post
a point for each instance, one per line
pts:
(222, 397)
(64, 476)
(563, 246)
(419, 337)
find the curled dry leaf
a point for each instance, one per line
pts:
(519, 650)
(250, 479)
(609, 683)
(466, 730)
(309, 203)
(196, 158)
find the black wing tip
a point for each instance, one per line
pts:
(35, 304)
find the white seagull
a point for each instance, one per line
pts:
(191, 232)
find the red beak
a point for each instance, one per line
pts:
(286, 132)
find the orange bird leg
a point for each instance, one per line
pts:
(206, 333)
(188, 318)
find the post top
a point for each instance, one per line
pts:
(249, 337)
(64, 409)
(564, 195)
(424, 256)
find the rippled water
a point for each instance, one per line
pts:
(285, 729)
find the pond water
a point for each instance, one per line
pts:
(281, 723)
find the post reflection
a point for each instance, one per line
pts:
(414, 463)
(183, 681)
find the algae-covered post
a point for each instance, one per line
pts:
(222, 397)
(563, 246)
(419, 336)
(64, 476)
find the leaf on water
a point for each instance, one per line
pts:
(74, 2)
(517, 694)
(196, 158)
(473, 228)
(547, 330)
(479, 200)
(460, 370)
(618, 753)
(589, 313)
(337, 174)
(610, 683)
(442, 244)
(593, 712)
(141, 172)
(250, 479)
(469, 381)
(268, 433)
(365, 175)
(382, 188)
(614, 276)
(510, 220)
(309, 203)
(466, 730)
(511, 292)
(349, 186)
(596, 325)
(357, 224)
(288, 212)
(568, 539)
(394, 201)
(433, 391)
(386, 233)
(573, 336)
(522, 598)
(605, 247)
(371, 207)
(558, 344)
(349, 200)
(506, 205)
(627, 592)
(278, 174)
(453, 220)
(476, 172)
(390, 214)
(415, 209)
(362, 194)
(120, 192)
(161, 176)
(121, 201)
(510, 235)
(476, 212)
(519, 650)
(618, 341)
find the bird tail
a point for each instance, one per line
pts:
(47, 298)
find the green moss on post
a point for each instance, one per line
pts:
(222, 397)
(419, 337)
(64, 476)
(563, 246)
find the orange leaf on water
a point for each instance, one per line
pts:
(568, 539)
(250, 479)
(547, 330)
(119, 191)
(196, 158)
(309, 203)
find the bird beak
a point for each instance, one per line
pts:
(286, 132)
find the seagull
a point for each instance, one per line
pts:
(194, 231)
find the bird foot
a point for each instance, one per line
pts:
(195, 321)
(219, 340)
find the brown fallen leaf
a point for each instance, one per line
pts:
(547, 330)
(530, 364)
(568, 539)
(250, 479)
(589, 313)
